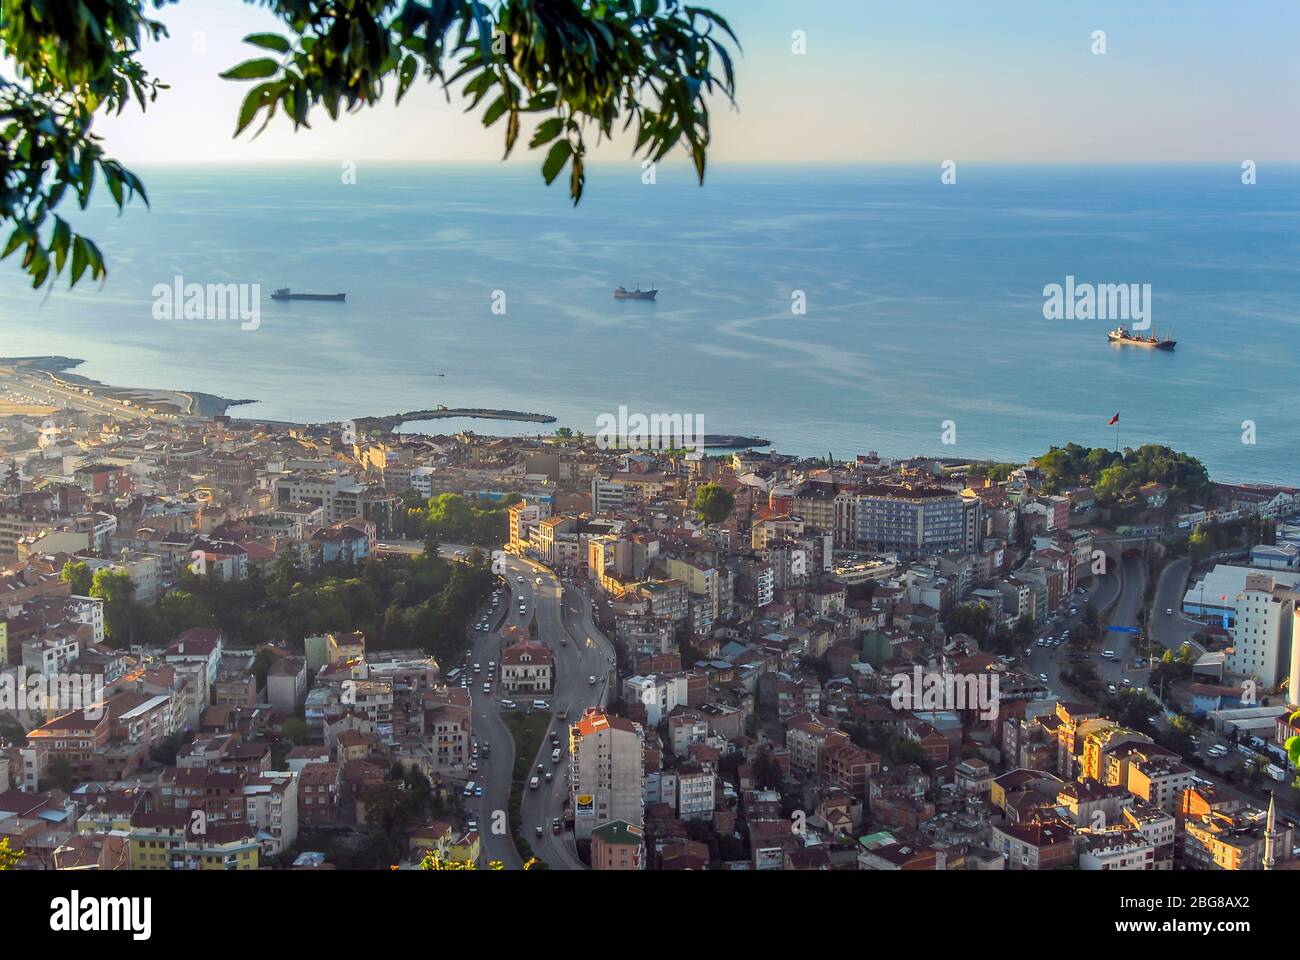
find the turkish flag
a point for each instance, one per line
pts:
(1113, 420)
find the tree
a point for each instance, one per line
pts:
(1198, 544)
(9, 859)
(77, 574)
(571, 66)
(117, 590)
(767, 772)
(713, 503)
(296, 729)
(13, 477)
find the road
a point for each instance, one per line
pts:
(1170, 630)
(580, 651)
(40, 385)
(1049, 661)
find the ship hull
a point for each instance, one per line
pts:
(1135, 342)
(635, 294)
(336, 297)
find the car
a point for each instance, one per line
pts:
(473, 766)
(592, 679)
(1127, 682)
(1042, 677)
(540, 768)
(1108, 654)
(477, 668)
(478, 791)
(471, 823)
(564, 641)
(533, 783)
(487, 688)
(508, 704)
(538, 581)
(1153, 720)
(549, 777)
(540, 705)
(469, 789)
(1169, 611)
(519, 579)
(492, 664)
(1029, 652)
(556, 826)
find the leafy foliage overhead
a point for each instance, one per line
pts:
(572, 65)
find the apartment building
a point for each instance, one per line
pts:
(606, 772)
(1261, 631)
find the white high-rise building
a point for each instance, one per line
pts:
(606, 772)
(1261, 633)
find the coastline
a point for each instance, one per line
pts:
(199, 405)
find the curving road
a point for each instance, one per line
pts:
(564, 623)
(580, 653)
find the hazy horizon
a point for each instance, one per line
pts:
(1013, 82)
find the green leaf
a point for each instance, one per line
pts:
(546, 131)
(494, 112)
(258, 96)
(555, 159)
(252, 70)
(269, 41)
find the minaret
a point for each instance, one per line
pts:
(1270, 833)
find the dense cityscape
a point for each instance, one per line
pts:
(236, 645)
(556, 437)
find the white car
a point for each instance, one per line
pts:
(1042, 677)
(1169, 611)
(592, 680)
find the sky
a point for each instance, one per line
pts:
(880, 81)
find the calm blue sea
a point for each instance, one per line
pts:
(924, 301)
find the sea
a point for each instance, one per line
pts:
(831, 310)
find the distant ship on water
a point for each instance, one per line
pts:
(622, 293)
(1120, 335)
(284, 293)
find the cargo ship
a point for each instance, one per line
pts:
(1120, 335)
(284, 293)
(638, 294)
